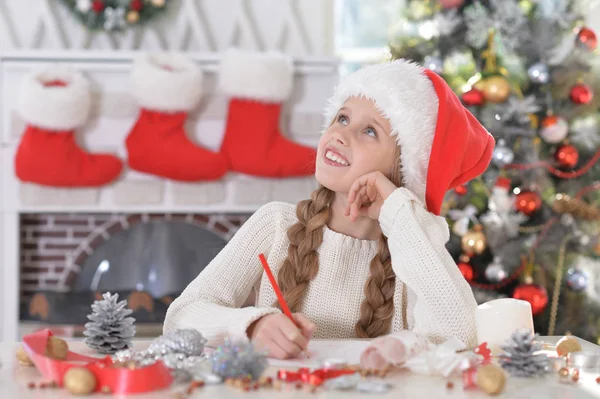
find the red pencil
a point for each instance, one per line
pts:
(280, 298)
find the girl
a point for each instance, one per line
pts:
(365, 256)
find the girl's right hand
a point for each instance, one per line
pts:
(280, 336)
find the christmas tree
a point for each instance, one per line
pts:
(528, 228)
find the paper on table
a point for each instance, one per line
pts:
(319, 350)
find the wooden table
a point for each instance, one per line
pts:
(14, 379)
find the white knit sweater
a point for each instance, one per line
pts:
(432, 297)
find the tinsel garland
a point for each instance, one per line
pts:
(115, 15)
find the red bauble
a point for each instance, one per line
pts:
(536, 295)
(567, 156)
(466, 270)
(98, 6)
(461, 190)
(581, 94)
(136, 5)
(451, 3)
(473, 97)
(528, 202)
(587, 37)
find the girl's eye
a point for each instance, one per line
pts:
(371, 132)
(343, 119)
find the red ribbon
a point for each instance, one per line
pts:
(315, 377)
(118, 380)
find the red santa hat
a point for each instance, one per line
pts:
(442, 145)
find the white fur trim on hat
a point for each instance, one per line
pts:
(55, 107)
(258, 76)
(168, 82)
(406, 97)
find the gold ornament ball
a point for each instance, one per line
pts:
(567, 345)
(491, 379)
(496, 89)
(563, 372)
(133, 17)
(474, 241)
(23, 357)
(158, 3)
(79, 381)
(57, 348)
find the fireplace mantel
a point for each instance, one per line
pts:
(114, 113)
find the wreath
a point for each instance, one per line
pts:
(115, 15)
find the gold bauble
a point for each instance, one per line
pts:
(57, 348)
(491, 379)
(474, 241)
(79, 381)
(496, 89)
(567, 345)
(158, 3)
(23, 357)
(133, 17)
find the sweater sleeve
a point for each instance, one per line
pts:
(212, 302)
(444, 305)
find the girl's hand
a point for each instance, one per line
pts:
(277, 334)
(367, 195)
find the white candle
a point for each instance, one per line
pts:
(496, 320)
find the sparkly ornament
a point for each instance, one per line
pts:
(466, 270)
(495, 272)
(491, 379)
(577, 280)
(538, 73)
(434, 64)
(502, 155)
(496, 89)
(554, 129)
(536, 295)
(586, 38)
(528, 202)
(233, 359)
(83, 6)
(581, 94)
(188, 342)
(136, 5)
(521, 355)
(473, 97)
(567, 156)
(158, 3)
(98, 6)
(474, 241)
(133, 17)
(451, 3)
(461, 190)
(79, 381)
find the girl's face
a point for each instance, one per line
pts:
(357, 142)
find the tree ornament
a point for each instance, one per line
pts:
(79, 381)
(577, 280)
(238, 359)
(564, 204)
(567, 156)
(461, 190)
(581, 94)
(109, 329)
(491, 379)
(502, 155)
(133, 17)
(495, 272)
(554, 129)
(521, 357)
(473, 97)
(496, 88)
(474, 241)
(466, 269)
(586, 38)
(538, 73)
(535, 294)
(451, 3)
(566, 345)
(158, 3)
(528, 202)
(98, 6)
(136, 5)
(83, 5)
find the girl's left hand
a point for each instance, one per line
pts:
(367, 194)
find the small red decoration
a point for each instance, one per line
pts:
(581, 94)
(473, 97)
(314, 378)
(451, 3)
(536, 295)
(136, 5)
(469, 378)
(567, 156)
(461, 190)
(587, 37)
(484, 351)
(528, 202)
(98, 6)
(466, 270)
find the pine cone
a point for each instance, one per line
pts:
(520, 358)
(109, 329)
